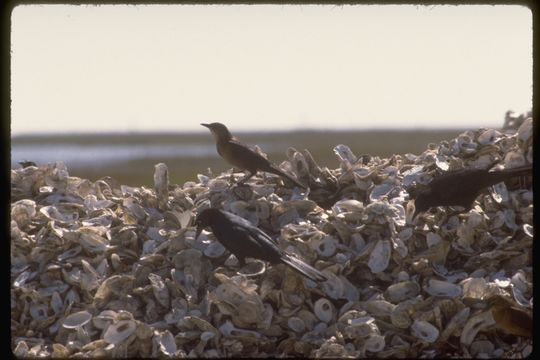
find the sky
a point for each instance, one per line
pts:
(137, 68)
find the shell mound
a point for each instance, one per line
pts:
(103, 269)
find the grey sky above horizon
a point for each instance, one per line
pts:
(77, 68)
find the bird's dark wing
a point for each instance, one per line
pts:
(250, 228)
(494, 177)
(456, 178)
(460, 183)
(242, 156)
(246, 240)
(275, 170)
(235, 219)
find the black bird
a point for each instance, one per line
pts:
(245, 240)
(462, 187)
(27, 163)
(241, 156)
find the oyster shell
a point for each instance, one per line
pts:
(100, 269)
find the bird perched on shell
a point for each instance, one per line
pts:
(245, 240)
(240, 155)
(462, 187)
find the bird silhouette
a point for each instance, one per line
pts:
(245, 240)
(462, 187)
(241, 156)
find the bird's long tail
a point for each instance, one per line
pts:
(303, 268)
(502, 175)
(275, 170)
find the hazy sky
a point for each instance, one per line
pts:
(171, 67)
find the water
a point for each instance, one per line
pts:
(80, 156)
(77, 156)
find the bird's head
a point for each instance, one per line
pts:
(219, 131)
(204, 219)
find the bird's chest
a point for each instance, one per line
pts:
(227, 152)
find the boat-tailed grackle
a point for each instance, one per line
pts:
(241, 156)
(245, 240)
(462, 187)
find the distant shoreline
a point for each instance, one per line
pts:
(130, 157)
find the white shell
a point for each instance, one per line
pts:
(488, 137)
(528, 230)
(92, 203)
(514, 159)
(324, 310)
(23, 211)
(374, 343)
(161, 292)
(119, 331)
(350, 292)
(442, 163)
(344, 153)
(424, 331)
(474, 288)
(524, 132)
(214, 249)
(433, 239)
(404, 290)
(296, 324)
(228, 329)
(161, 184)
(325, 247)
(363, 326)
(39, 311)
(380, 256)
(499, 193)
(93, 242)
(380, 191)
(406, 234)
(77, 319)
(104, 319)
(56, 303)
(64, 217)
(166, 342)
(475, 324)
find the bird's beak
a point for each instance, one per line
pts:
(198, 232)
(206, 125)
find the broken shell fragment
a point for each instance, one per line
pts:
(324, 310)
(401, 291)
(374, 343)
(424, 331)
(475, 324)
(119, 331)
(380, 256)
(77, 319)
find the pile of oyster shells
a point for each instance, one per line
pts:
(104, 269)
